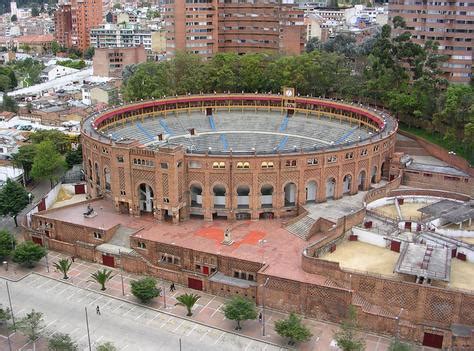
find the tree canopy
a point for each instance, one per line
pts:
(13, 199)
(145, 289)
(7, 243)
(293, 329)
(28, 253)
(347, 337)
(62, 342)
(48, 163)
(239, 309)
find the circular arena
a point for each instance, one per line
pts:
(235, 156)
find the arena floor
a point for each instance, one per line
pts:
(364, 257)
(241, 131)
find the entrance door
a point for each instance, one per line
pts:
(433, 340)
(205, 270)
(395, 246)
(42, 205)
(108, 261)
(79, 189)
(37, 240)
(195, 284)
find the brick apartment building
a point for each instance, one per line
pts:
(109, 62)
(206, 27)
(449, 23)
(74, 20)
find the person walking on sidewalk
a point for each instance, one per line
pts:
(172, 287)
(97, 310)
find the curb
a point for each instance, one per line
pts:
(157, 310)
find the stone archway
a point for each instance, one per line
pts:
(266, 196)
(243, 198)
(107, 178)
(311, 191)
(290, 194)
(145, 198)
(330, 188)
(346, 185)
(362, 178)
(219, 192)
(195, 191)
(373, 175)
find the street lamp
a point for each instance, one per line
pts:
(121, 273)
(263, 305)
(88, 333)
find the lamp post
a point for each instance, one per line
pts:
(398, 323)
(263, 305)
(121, 273)
(88, 333)
(164, 296)
(11, 307)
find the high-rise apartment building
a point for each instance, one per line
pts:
(450, 23)
(77, 17)
(206, 27)
(111, 35)
(63, 25)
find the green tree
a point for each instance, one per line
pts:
(28, 253)
(5, 315)
(102, 277)
(60, 140)
(13, 199)
(55, 47)
(25, 48)
(9, 104)
(188, 301)
(62, 342)
(24, 158)
(145, 289)
(7, 244)
(63, 265)
(31, 325)
(293, 329)
(14, 18)
(239, 309)
(47, 162)
(313, 44)
(89, 53)
(347, 336)
(106, 346)
(35, 12)
(74, 157)
(397, 345)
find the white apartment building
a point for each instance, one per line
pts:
(124, 35)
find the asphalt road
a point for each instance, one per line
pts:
(128, 326)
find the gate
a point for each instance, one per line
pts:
(108, 261)
(42, 205)
(195, 284)
(79, 189)
(37, 240)
(395, 246)
(433, 340)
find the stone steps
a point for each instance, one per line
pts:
(302, 227)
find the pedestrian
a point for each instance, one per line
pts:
(260, 317)
(172, 287)
(97, 310)
(73, 258)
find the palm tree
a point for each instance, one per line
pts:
(187, 300)
(102, 277)
(63, 265)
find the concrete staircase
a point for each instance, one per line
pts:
(409, 146)
(302, 227)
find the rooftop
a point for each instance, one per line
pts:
(449, 210)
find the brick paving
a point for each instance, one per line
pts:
(208, 310)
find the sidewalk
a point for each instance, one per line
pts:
(208, 310)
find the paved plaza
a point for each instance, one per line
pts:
(132, 326)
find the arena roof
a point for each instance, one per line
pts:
(450, 211)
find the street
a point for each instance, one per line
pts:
(128, 326)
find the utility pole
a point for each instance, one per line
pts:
(11, 307)
(88, 334)
(263, 305)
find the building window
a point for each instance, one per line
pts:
(97, 235)
(123, 193)
(141, 245)
(364, 152)
(194, 164)
(120, 159)
(142, 162)
(244, 275)
(171, 259)
(218, 165)
(290, 163)
(332, 159)
(349, 155)
(164, 165)
(312, 161)
(105, 150)
(267, 164)
(376, 148)
(166, 200)
(456, 179)
(244, 165)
